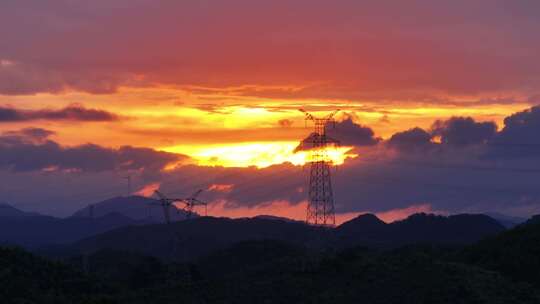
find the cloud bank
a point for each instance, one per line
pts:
(410, 169)
(32, 150)
(420, 50)
(73, 112)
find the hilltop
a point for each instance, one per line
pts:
(185, 240)
(135, 207)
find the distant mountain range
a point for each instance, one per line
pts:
(502, 268)
(193, 238)
(135, 207)
(514, 253)
(506, 220)
(135, 224)
(127, 259)
(9, 211)
(34, 230)
(368, 230)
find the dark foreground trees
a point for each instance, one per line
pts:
(496, 270)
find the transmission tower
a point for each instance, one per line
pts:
(192, 201)
(189, 204)
(165, 203)
(320, 209)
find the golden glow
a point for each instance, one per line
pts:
(258, 154)
(226, 127)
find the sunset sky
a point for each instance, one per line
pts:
(205, 94)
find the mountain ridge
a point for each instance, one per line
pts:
(199, 236)
(135, 207)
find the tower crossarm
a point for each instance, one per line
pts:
(307, 114)
(331, 115)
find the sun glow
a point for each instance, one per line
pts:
(258, 154)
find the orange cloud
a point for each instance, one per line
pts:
(221, 187)
(275, 208)
(390, 215)
(298, 211)
(148, 190)
(400, 214)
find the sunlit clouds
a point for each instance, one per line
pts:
(165, 117)
(148, 190)
(258, 154)
(179, 93)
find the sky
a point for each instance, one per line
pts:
(437, 103)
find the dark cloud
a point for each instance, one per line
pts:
(463, 131)
(250, 186)
(35, 133)
(27, 135)
(449, 178)
(519, 137)
(349, 133)
(307, 143)
(521, 127)
(31, 150)
(344, 133)
(9, 114)
(74, 112)
(412, 139)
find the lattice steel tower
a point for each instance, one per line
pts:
(320, 210)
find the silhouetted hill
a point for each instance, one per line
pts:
(274, 272)
(350, 277)
(250, 256)
(368, 230)
(135, 207)
(26, 278)
(193, 238)
(535, 219)
(10, 211)
(278, 218)
(33, 231)
(506, 220)
(127, 269)
(514, 253)
(458, 229)
(197, 237)
(263, 271)
(365, 223)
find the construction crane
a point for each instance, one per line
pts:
(189, 204)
